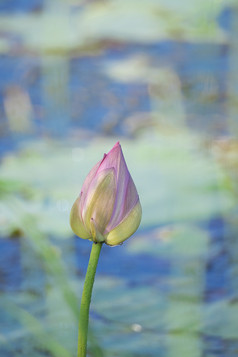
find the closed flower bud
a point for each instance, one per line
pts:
(108, 208)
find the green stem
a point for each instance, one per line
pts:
(86, 299)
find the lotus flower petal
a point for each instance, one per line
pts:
(100, 200)
(88, 180)
(126, 196)
(126, 228)
(76, 222)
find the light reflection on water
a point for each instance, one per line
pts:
(172, 289)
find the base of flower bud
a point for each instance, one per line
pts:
(96, 235)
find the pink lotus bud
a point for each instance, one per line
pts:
(108, 208)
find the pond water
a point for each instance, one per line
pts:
(170, 290)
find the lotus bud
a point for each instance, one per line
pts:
(108, 208)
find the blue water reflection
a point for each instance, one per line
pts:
(171, 290)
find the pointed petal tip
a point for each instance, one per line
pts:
(116, 145)
(104, 157)
(115, 148)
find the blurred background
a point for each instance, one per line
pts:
(161, 76)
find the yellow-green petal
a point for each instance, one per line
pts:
(126, 228)
(76, 223)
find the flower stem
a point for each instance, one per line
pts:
(86, 299)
